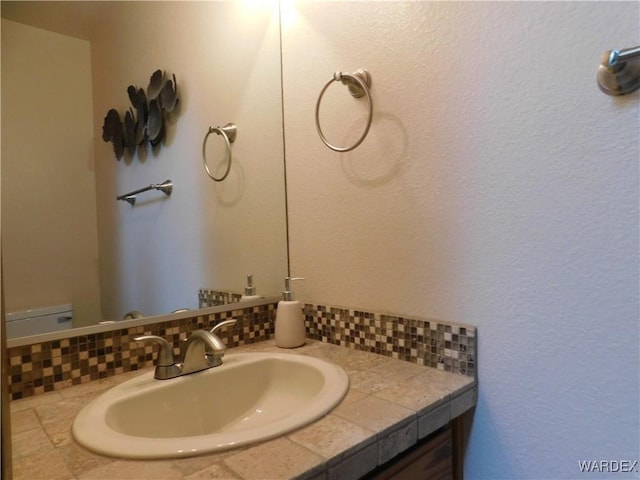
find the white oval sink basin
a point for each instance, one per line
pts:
(249, 398)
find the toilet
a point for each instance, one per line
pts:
(41, 320)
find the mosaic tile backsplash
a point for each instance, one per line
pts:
(446, 346)
(212, 298)
(47, 366)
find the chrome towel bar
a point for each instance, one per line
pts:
(616, 76)
(165, 187)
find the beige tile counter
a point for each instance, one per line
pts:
(391, 404)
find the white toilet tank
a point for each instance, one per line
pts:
(36, 321)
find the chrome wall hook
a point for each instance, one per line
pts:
(618, 74)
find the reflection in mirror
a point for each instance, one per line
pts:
(66, 240)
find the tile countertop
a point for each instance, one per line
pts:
(390, 405)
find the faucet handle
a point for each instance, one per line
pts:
(226, 323)
(165, 354)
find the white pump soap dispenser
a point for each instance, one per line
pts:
(290, 329)
(249, 290)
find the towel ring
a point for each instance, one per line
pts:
(358, 83)
(229, 133)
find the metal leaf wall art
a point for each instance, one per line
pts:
(145, 121)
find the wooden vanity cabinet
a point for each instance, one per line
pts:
(436, 457)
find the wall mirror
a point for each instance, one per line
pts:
(66, 240)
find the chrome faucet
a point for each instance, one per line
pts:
(202, 350)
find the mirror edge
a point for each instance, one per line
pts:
(123, 324)
(6, 465)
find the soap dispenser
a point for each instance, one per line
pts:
(249, 290)
(290, 329)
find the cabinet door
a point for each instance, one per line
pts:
(431, 459)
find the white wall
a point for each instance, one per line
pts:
(50, 242)
(225, 56)
(498, 187)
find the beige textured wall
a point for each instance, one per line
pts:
(50, 246)
(499, 187)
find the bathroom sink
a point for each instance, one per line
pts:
(249, 398)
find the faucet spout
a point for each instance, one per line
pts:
(202, 350)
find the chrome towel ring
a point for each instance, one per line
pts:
(229, 133)
(358, 83)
